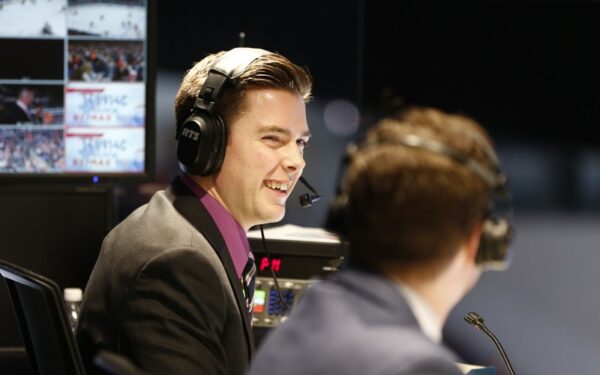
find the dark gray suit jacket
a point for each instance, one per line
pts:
(13, 114)
(356, 323)
(164, 292)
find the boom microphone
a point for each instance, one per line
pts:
(476, 320)
(306, 200)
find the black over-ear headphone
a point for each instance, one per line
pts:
(202, 138)
(497, 231)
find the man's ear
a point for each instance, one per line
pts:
(473, 242)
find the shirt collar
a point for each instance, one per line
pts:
(23, 107)
(232, 232)
(426, 317)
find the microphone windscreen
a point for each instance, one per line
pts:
(305, 200)
(474, 319)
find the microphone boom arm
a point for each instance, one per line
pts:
(477, 321)
(306, 200)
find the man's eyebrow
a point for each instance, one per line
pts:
(278, 129)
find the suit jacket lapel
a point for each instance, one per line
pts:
(191, 208)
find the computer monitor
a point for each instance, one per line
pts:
(76, 89)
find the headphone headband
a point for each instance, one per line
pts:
(235, 61)
(228, 67)
(202, 138)
(489, 175)
(497, 232)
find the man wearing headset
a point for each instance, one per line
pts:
(172, 287)
(414, 206)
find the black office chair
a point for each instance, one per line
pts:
(46, 331)
(39, 306)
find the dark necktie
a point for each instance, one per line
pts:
(248, 281)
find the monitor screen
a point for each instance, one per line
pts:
(76, 89)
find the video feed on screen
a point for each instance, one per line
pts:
(105, 104)
(73, 87)
(104, 150)
(108, 19)
(33, 18)
(32, 59)
(31, 104)
(31, 149)
(106, 61)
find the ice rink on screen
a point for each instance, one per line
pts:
(107, 20)
(23, 18)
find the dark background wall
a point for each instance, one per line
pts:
(526, 70)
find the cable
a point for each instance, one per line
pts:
(284, 305)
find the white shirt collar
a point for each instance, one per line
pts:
(426, 317)
(23, 106)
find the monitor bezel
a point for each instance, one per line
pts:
(15, 178)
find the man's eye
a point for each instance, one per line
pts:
(271, 138)
(302, 143)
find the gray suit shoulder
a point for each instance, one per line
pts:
(354, 324)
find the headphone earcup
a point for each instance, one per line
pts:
(338, 216)
(494, 245)
(201, 144)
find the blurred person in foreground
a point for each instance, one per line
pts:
(172, 287)
(415, 208)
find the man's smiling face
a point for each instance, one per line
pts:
(264, 156)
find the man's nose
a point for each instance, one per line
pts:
(293, 159)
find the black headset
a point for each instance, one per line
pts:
(202, 138)
(494, 252)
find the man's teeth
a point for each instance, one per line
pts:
(277, 185)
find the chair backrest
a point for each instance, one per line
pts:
(40, 310)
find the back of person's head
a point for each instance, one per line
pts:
(269, 71)
(409, 206)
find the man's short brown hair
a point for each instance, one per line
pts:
(272, 71)
(411, 206)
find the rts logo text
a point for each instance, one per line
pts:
(188, 133)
